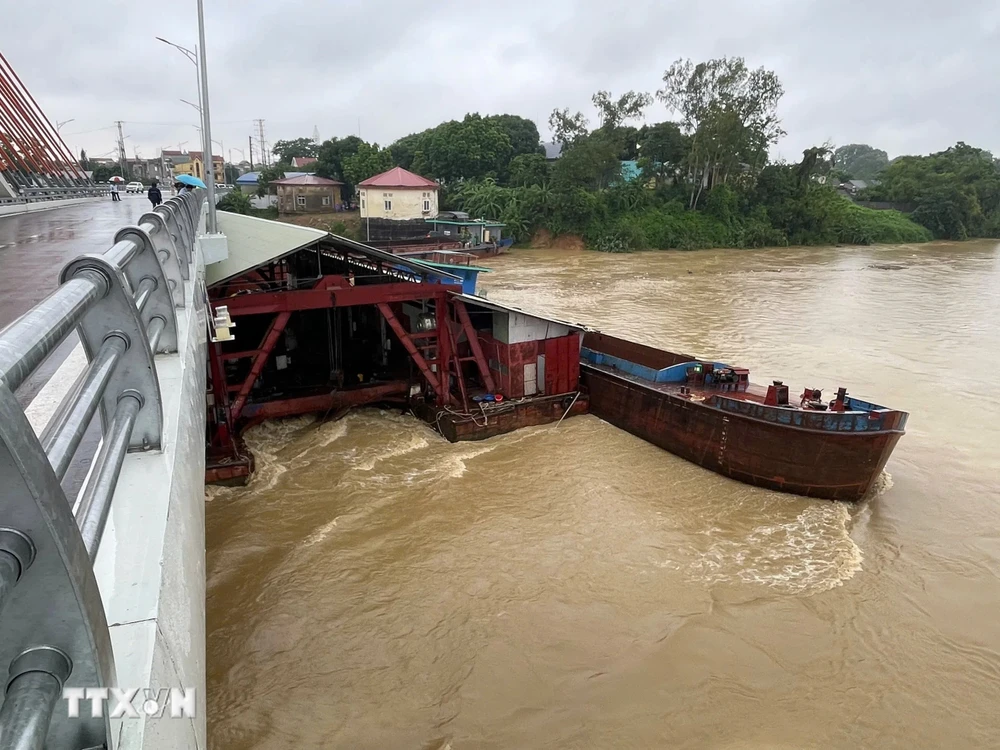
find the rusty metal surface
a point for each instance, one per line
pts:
(837, 466)
(499, 421)
(323, 402)
(646, 356)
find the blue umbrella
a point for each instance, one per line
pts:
(191, 180)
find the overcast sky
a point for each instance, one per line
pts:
(908, 76)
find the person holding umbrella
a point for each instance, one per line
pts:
(114, 188)
(186, 183)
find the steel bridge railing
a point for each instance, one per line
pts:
(40, 194)
(53, 629)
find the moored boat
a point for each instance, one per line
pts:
(709, 413)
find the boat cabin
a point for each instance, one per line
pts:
(527, 355)
(470, 232)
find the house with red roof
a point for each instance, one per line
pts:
(299, 162)
(398, 194)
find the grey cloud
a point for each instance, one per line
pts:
(906, 76)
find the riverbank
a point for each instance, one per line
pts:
(667, 228)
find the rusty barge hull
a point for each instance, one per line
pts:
(499, 420)
(822, 454)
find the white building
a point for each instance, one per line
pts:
(398, 194)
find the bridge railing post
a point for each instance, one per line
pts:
(53, 629)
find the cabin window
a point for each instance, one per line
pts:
(326, 200)
(362, 203)
(388, 205)
(300, 201)
(427, 205)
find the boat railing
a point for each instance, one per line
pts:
(828, 421)
(52, 620)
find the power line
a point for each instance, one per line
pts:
(87, 132)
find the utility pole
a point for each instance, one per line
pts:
(264, 161)
(122, 156)
(250, 142)
(206, 133)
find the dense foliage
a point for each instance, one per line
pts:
(859, 161)
(704, 180)
(954, 193)
(235, 201)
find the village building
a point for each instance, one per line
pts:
(196, 166)
(399, 195)
(301, 162)
(308, 194)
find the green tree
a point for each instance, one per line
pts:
(614, 113)
(521, 132)
(528, 169)
(368, 161)
(231, 173)
(592, 163)
(286, 150)
(663, 149)
(567, 129)
(469, 149)
(331, 154)
(860, 161)
(730, 112)
(102, 172)
(816, 161)
(266, 176)
(955, 193)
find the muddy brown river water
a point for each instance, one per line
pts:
(574, 587)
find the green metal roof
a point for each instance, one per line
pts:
(467, 223)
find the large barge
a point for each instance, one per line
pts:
(709, 413)
(323, 324)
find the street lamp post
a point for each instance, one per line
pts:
(192, 57)
(64, 122)
(213, 227)
(197, 58)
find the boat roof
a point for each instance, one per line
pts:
(473, 299)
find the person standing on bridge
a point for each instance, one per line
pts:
(154, 195)
(114, 192)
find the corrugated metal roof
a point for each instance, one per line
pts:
(250, 178)
(491, 305)
(303, 161)
(384, 255)
(397, 177)
(253, 242)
